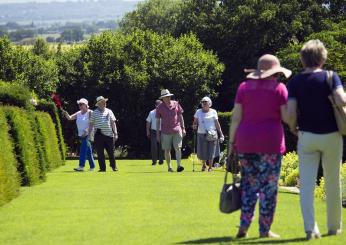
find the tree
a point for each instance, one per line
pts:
(160, 16)
(241, 31)
(131, 70)
(41, 48)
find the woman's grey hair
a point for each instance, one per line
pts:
(313, 53)
(206, 98)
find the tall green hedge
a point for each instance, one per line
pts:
(12, 93)
(50, 107)
(9, 178)
(49, 140)
(25, 147)
(225, 121)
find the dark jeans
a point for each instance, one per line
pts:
(103, 142)
(156, 149)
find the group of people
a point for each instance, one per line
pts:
(98, 126)
(256, 134)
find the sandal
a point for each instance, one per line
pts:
(242, 233)
(210, 169)
(203, 168)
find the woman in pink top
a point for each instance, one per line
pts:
(258, 137)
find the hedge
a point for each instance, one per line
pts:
(50, 107)
(9, 178)
(15, 94)
(25, 147)
(49, 140)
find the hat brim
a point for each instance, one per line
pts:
(166, 95)
(105, 99)
(256, 74)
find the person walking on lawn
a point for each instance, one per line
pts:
(155, 147)
(172, 128)
(103, 120)
(82, 118)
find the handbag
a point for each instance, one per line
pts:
(230, 196)
(339, 111)
(211, 135)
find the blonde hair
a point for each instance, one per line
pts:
(313, 53)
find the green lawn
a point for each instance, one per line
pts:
(140, 204)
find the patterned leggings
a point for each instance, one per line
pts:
(259, 179)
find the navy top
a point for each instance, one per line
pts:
(315, 111)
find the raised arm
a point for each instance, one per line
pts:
(68, 117)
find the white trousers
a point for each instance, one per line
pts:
(327, 148)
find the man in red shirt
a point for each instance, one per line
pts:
(172, 128)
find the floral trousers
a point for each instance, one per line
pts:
(259, 180)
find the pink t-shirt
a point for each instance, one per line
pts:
(261, 130)
(170, 123)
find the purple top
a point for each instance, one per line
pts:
(261, 130)
(170, 123)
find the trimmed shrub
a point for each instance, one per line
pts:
(25, 147)
(50, 107)
(49, 140)
(289, 169)
(9, 179)
(15, 94)
(320, 191)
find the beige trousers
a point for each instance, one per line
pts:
(313, 148)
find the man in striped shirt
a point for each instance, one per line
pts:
(103, 121)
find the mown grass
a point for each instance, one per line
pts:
(140, 204)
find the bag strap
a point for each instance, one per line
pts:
(232, 161)
(330, 79)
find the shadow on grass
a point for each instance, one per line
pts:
(208, 240)
(255, 240)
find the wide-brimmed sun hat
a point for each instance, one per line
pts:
(165, 93)
(99, 99)
(267, 65)
(82, 101)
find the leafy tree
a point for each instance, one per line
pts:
(160, 16)
(131, 70)
(41, 48)
(240, 31)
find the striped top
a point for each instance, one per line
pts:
(102, 120)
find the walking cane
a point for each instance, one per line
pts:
(194, 149)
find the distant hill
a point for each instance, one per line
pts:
(65, 11)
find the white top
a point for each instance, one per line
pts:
(82, 122)
(152, 119)
(206, 120)
(102, 120)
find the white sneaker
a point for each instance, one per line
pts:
(92, 169)
(79, 169)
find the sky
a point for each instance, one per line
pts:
(26, 1)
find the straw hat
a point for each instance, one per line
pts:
(267, 65)
(99, 99)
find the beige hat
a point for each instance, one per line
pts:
(100, 98)
(165, 93)
(267, 65)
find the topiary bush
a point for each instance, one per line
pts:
(50, 107)
(14, 94)
(49, 140)
(289, 174)
(25, 147)
(320, 191)
(9, 178)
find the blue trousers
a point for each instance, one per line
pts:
(86, 153)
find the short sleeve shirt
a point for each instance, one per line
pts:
(102, 120)
(152, 119)
(170, 123)
(311, 91)
(261, 130)
(206, 120)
